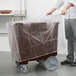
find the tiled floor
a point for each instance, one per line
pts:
(8, 68)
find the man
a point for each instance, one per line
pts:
(69, 11)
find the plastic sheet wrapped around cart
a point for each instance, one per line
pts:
(32, 40)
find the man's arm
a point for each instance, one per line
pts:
(57, 6)
(66, 8)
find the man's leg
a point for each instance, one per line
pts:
(74, 63)
(69, 36)
(73, 23)
(70, 56)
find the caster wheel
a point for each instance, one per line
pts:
(24, 68)
(17, 63)
(41, 62)
(51, 63)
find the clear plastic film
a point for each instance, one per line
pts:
(29, 40)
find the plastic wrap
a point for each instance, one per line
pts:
(32, 40)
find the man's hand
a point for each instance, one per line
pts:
(66, 8)
(63, 12)
(50, 12)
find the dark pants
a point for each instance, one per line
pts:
(70, 33)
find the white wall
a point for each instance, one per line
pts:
(9, 4)
(36, 9)
(14, 5)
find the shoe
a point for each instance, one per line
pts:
(65, 62)
(73, 64)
